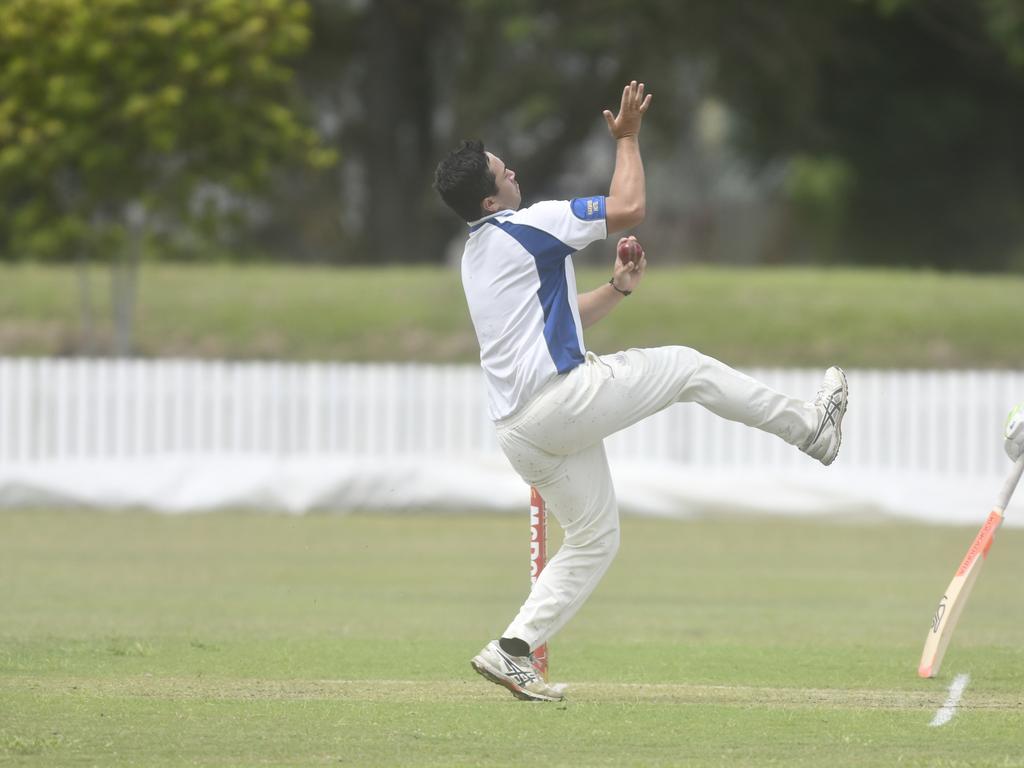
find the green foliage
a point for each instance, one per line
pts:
(818, 182)
(819, 188)
(1005, 21)
(920, 99)
(915, 98)
(108, 103)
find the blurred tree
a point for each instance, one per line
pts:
(400, 83)
(920, 103)
(868, 98)
(120, 119)
(869, 130)
(901, 116)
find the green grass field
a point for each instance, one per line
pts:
(245, 639)
(772, 317)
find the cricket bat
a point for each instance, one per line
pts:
(952, 603)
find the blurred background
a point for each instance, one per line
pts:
(248, 183)
(861, 131)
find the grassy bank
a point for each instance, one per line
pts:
(859, 318)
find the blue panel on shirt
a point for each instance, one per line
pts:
(588, 208)
(559, 324)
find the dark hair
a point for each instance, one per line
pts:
(464, 179)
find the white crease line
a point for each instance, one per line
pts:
(947, 710)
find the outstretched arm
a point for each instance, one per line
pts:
(626, 203)
(626, 276)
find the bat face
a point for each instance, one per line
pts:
(939, 613)
(952, 603)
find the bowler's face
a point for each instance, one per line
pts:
(507, 194)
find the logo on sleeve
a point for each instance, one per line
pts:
(588, 208)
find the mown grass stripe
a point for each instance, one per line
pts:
(407, 691)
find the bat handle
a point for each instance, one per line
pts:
(1010, 485)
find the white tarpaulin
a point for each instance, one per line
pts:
(342, 483)
(188, 435)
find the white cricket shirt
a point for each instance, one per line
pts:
(521, 289)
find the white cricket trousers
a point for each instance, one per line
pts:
(555, 444)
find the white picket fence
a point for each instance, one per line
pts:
(941, 422)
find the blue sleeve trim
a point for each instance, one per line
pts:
(588, 208)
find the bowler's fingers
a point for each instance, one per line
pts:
(638, 100)
(636, 96)
(627, 95)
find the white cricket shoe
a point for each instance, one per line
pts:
(516, 673)
(831, 405)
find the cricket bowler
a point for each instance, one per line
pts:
(553, 402)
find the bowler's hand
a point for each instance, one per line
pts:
(627, 274)
(631, 112)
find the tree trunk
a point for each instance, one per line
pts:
(398, 141)
(86, 317)
(125, 283)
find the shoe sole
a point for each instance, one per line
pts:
(842, 415)
(481, 668)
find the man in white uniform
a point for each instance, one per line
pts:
(553, 402)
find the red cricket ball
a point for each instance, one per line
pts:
(630, 250)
